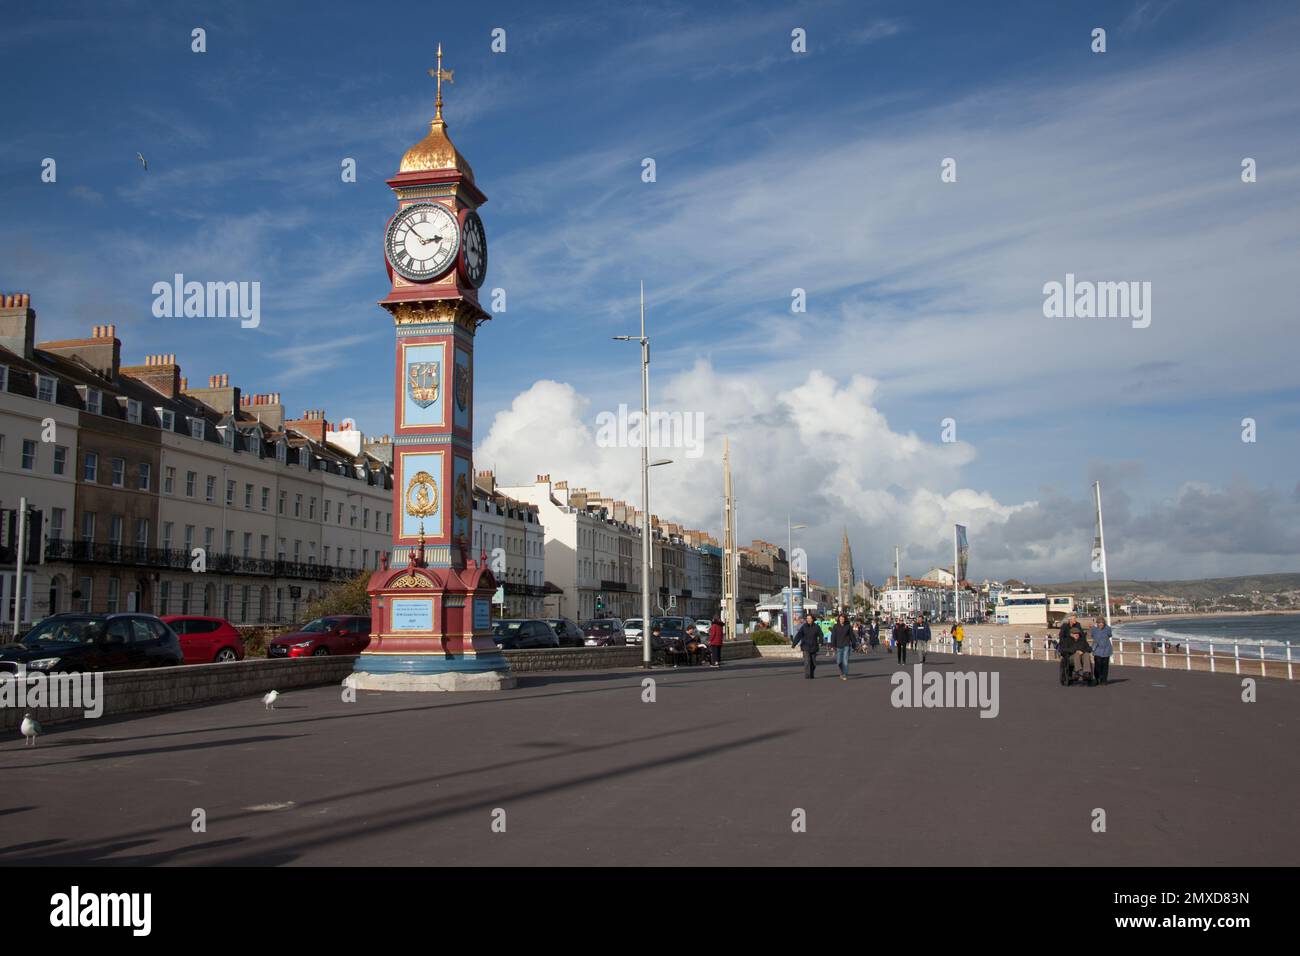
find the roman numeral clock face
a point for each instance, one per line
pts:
(422, 241)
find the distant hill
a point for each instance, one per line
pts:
(1207, 589)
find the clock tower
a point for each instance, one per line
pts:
(430, 606)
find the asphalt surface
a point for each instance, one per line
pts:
(712, 772)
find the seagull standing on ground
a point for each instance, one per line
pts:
(143, 162)
(31, 730)
(270, 699)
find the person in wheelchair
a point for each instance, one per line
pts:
(1075, 652)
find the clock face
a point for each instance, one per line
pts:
(422, 241)
(473, 244)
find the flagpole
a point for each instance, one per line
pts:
(1101, 543)
(956, 597)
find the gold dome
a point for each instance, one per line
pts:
(435, 151)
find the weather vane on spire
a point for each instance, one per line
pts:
(440, 74)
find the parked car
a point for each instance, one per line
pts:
(206, 639)
(605, 632)
(632, 629)
(94, 642)
(512, 635)
(337, 634)
(570, 634)
(703, 624)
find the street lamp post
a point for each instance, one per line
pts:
(646, 465)
(789, 575)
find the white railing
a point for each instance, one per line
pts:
(1255, 661)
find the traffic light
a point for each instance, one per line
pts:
(600, 603)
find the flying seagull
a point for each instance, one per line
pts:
(143, 162)
(31, 730)
(270, 699)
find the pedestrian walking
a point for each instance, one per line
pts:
(921, 636)
(874, 634)
(808, 638)
(716, 633)
(1100, 635)
(958, 635)
(843, 639)
(902, 635)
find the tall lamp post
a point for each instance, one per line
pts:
(646, 465)
(789, 575)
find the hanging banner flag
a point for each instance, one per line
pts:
(1098, 552)
(963, 552)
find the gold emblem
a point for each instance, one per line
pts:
(462, 386)
(422, 495)
(410, 581)
(422, 383)
(462, 497)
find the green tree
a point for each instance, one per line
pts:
(345, 597)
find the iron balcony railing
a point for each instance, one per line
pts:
(180, 560)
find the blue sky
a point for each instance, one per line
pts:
(775, 171)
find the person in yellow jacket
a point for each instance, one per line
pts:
(958, 635)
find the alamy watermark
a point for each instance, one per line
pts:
(210, 300)
(946, 689)
(27, 690)
(630, 429)
(1084, 299)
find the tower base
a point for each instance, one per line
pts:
(447, 681)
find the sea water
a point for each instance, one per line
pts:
(1274, 631)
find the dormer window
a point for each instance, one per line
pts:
(281, 452)
(304, 457)
(95, 401)
(196, 428)
(4, 378)
(133, 411)
(228, 437)
(45, 388)
(166, 418)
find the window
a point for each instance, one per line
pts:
(142, 533)
(185, 597)
(248, 497)
(85, 588)
(114, 589)
(196, 428)
(133, 411)
(262, 554)
(297, 506)
(90, 467)
(248, 544)
(327, 512)
(115, 534)
(365, 557)
(169, 480)
(352, 557)
(388, 522)
(284, 496)
(243, 603)
(230, 542)
(208, 535)
(311, 552)
(210, 489)
(266, 498)
(354, 516)
(189, 540)
(4, 378)
(297, 552)
(190, 479)
(95, 401)
(327, 555)
(29, 454)
(228, 437)
(118, 466)
(281, 452)
(230, 493)
(304, 456)
(164, 596)
(166, 419)
(146, 475)
(167, 535)
(279, 551)
(56, 523)
(60, 459)
(45, 388)
(365, 520)
(311, 509)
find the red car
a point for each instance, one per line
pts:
(341, 634)
(206, 640)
